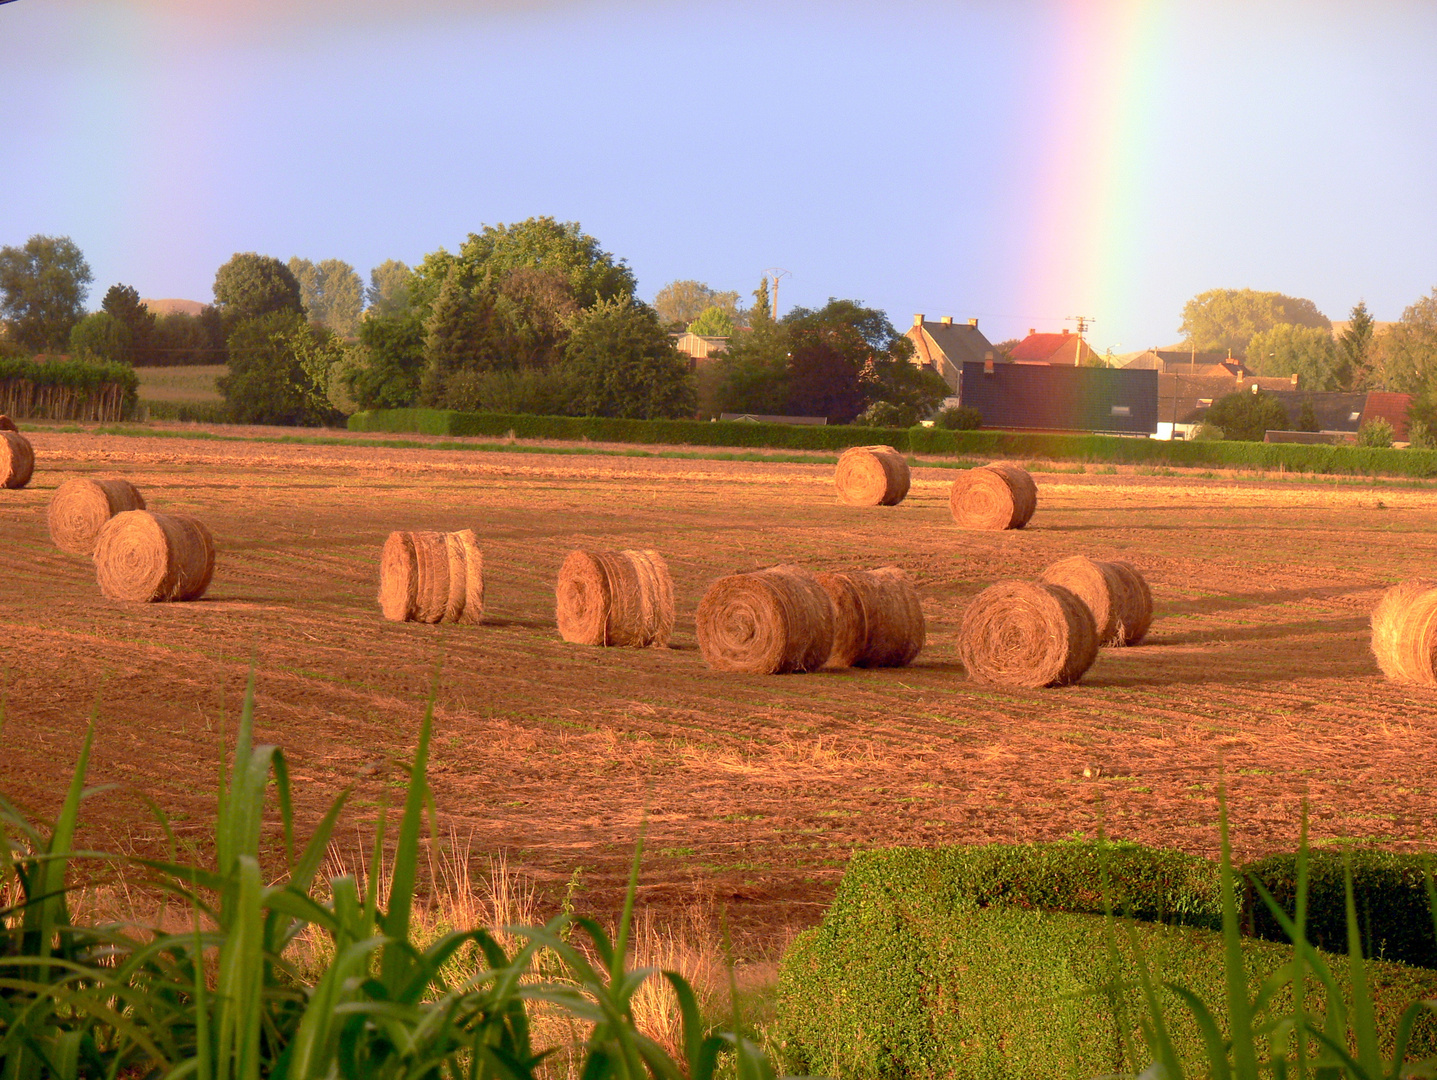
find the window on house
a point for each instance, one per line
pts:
(1122, 410)
(1353, 416)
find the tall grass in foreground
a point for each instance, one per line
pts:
(1323, 1035)
(313, 976)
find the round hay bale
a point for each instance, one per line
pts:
(431, 576)
(398, 579)
(871, 476)
(615, 598)
(995, 496)
(1404, 632)
(6, 424)
(1137, 612)
(17, 459)
(877, 619)
(1115, 593)
(473, 609)
(767, 622)
(146, 557)
(1027, 634)
(82, 506)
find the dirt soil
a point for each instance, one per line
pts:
(756, 790)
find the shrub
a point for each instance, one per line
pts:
(67, 389)
(1375, 432)
(1248, 416)
(886, 414)
(1420, 436)
(1206, 432)
(959, 418)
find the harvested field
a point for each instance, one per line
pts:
(756, 788)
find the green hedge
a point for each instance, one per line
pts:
(67, 389)
(930, 989)
(1387, 887)
(1292, 457)
(926, 955)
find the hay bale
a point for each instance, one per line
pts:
(146, 557)
(767, 622)
(615, 598)
(877, 619)
(995, 496)
(82, 506)
(1027, 634)
(1404, 632)
(431, 577)
(1114, 592)
(871, 476)
(6, 424)
(17, 459)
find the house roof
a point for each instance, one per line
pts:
(946, 346)
(1391, 407)
(1185, 398)
(1334, 411)
(1186, 362)
(1049, 348)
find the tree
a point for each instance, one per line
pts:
(123, 302)
(458, 337)
(1354, 350)
(714, 321)
(1228, 318)
(251, 285)
(753, 371)
(388, 291)
(762, 310)
(331, 292)
(267, 381)
(102, 336)
(1248, 416)
(389, 364)
(1376, 432)
(1405, 357)
(621, 363)
(1307, 419)
(180, 338)
(1285, 348)
(43, 286)
(841, 359)
(681, 302)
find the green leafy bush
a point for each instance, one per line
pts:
(1206, 432)
(959, 418)
(1248, 416)
(1375, 432)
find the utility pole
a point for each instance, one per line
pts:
(774, 273)
(1083, 321)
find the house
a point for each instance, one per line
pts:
(1339, 415)
(1184, 399)
(1067, 349)
(1061, 397)
(945, 346)
(1190, 362)
(698, 347)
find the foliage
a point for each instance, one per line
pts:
(1307, 419)
(387, 293)
(753, 371)
(101, 336)
(901, 382)
(536, 391)
(1375, 432)
(1207, 432)
(268, 382)
(713, 321)
(1354, 350)
(42, 291)
(331, 292)
(887, 414)
(1406, 355)
(1228, 318)
(225, 999)
(182, 340)
(1248, 415)
(386, 369)
(621, 363)
(250, 286)
(679, 303)
(75, 389)
(123, 302)
(959, 418)
(1420, 436)
(762, 310)
(1307, 350)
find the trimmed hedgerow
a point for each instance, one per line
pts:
(1388, 888)
(1291, 457)
(67, 389)
(930, 988)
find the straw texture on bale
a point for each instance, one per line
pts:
(1115, 593)
(1404, 632)
(82, 506)
(872, 476)
(996, 496)
(6, 424)
(877, 620)
(147, 557)
(1027, 634)
(615, 598)
(17, 460)
(432, 577)
(767, 622)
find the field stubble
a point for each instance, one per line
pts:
(755, 789)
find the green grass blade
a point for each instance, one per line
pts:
(621, 943)
(1244, 1050)
(394, 965)
(1364, 1022)
(50, 914)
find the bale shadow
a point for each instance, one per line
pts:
(1233, 601)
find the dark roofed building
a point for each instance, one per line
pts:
(1049, 397)
(945, 346)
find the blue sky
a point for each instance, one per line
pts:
(1017, 162)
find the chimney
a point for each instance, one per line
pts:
(1065, 331)
(988, 364)
(1294, 380)
(1031, 331)
(973, 323)
(947, 320)
(918, 320)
